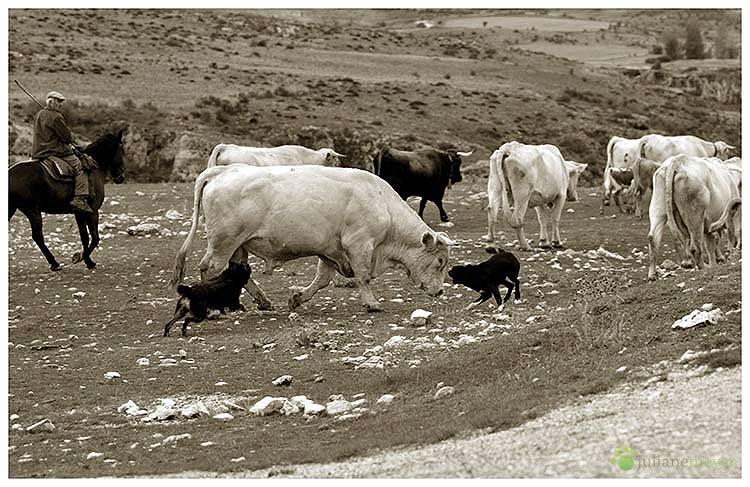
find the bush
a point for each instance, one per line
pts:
(672, 46)
(694, 41)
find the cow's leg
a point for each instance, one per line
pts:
(556, 212)
(443, 214)
(35, 219)
(323, 276)
(638, 205)
(252, 287)
(543, 216)
(516, 220)
(359, 251)
(422, 204)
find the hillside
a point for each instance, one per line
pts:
(182, 81)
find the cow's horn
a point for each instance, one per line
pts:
(465, 154)
(337, 154)
(444, 238)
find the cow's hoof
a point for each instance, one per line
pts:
(444, 220)
(487, 238)
(267, 306)
(374, 307)
(295, 300)
(686, 264)
(76, 258)
(525, 249)
(557, 245)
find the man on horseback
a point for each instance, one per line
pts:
(52, 137)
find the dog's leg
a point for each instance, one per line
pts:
(483, 297)
(496, 294)
(185, 324)
(505, 282)
(179, 312)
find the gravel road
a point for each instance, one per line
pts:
(669, 424)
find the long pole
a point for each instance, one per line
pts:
(28, 94)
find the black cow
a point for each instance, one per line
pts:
(424, 173)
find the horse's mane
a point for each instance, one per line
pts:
(102, 149)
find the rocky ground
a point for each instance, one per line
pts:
(686, 426)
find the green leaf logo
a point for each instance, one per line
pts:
(624, 458)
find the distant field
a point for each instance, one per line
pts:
(603, 54)
(522, 23)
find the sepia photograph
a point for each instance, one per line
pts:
(354, 243)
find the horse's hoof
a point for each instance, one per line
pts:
(295, 300)
(77, 257)
(55, 267)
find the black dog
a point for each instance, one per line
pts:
(217, 293)
(501, 268)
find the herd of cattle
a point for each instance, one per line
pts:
(289, 202)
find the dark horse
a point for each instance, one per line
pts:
(33, 191)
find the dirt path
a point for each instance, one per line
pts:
(680, 420)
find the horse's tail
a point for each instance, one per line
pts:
(215, 155)
(179, 262)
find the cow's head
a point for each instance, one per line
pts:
(722, 149)
(574, 170)
(331, 157)
(429, 266)
(455, 164)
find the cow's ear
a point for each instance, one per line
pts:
(428, 240)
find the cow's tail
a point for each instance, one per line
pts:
(635, 184)
(376, 162)
(212, 159)
(504, 185)
(674, 220)
(203, 178)
(606, 182)
(727, 217)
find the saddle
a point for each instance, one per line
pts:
(60, 170)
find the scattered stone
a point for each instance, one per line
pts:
(283, 380)
(43, 425)
(112, 375)
(293, 316)
(301, 357)
(13, 417)
(374, 362)
(173, 215)
(194, 410)
(347, 417)
(420, 317)
(313, 409)
(338, 406)
(289, 408)
(161, 413)
(669, 265)
(144, 229)
(143, 362)
(131, 409)
(707, 307)
(386, 399)
(238, 459)
(268, 405)
(223, 417)
(176, 438)
(79, 294)
(94, 454)
(622, 369)
(444, 392)
(698, 317)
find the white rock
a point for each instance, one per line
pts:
(420, 317)
(347, 417)
(313, 409)
(359, 403)
(129, 408)
(195, 409)
(707, 307)
(622, 369)
(289, 408)
(112, 375)
(299, 401)
(145, 229)
(338, 406)
(395, 342)
(238, 459)
(79, 294)
(143, 362)
(301, 357)
(176, 438)
(161, 413)
(232, 405)
(283, 380)
(223, 417)
(13, 417)
(374, 362)
(43, 425)
(173, 215)
(386, 399)
(268, 405)
(94, 454)
(444, 392)
(697, 317)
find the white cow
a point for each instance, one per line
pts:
(621, 153)
(352, 220)
(659, 147)
(689, 194)
(731, 221)
(643, 176)
(283, 155)
(538, 177)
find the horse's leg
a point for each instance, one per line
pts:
(87, 224)
(35, 219)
